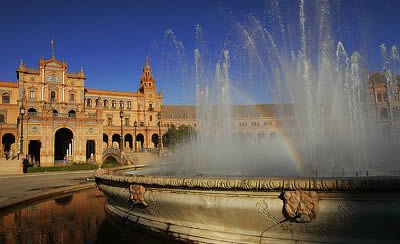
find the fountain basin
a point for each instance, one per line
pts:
(256, 210)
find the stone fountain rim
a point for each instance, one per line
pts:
(384, 183)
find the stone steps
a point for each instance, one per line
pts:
(136, 158)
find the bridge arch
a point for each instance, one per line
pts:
(113, 153)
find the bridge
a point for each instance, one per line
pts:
(114, 153)
(129, 157)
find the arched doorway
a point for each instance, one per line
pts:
(261, 137)
(384, 113)
(34, 152)
(129, 140)
(63, 144)
(116, 138)
(8, 139)
(90, 149)
(140, 139)
(154, 140)
(105, 141)
(272, 136)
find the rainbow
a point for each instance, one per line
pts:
(283, 140)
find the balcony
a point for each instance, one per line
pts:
(33, 114)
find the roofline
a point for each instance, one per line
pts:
(111, 92)
(12, 84)
(233, 105)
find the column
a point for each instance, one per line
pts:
(42, 84)
(63, 91)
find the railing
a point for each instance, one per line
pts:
(33, 114)
(111, 150)
(54, 115)
(152, 150)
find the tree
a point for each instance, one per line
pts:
(175, 136)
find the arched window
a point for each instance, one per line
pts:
(121, 104)
(97, 101)
(53, 78)
(52, 95)
(2, 118)
(129, 105)
(5, 98)
(71, 114)
(55, 113)
(89, 102)
(384, 113)
(113, 104)
(379, 97)
(32, 112)
(105, 103)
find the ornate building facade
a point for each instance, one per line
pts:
(384, 98)
(49, 116)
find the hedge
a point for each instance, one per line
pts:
(72, 167)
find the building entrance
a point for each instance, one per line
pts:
(63, 144)
(34, 152)
(90, 149)
(7, 140)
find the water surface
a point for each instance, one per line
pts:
(74, 218)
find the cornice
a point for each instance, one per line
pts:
(361, 184)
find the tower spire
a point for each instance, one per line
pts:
(52, 47)
(146, 64)
(146, 79)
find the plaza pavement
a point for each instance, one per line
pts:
(31, 187)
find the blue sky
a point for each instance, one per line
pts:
(111, 39)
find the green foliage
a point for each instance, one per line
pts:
(73, 167)
(175, 136)
(377, 78)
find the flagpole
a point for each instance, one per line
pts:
(52, 46)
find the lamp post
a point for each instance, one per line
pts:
(121, 115)
(21, 138)
(159, 134)
(146, 142)
(135, 125)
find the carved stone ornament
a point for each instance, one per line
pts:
(301, 206)
(137, 194)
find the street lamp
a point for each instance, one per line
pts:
(159, 133)
(121, 115)
(21, 138)
(135, 125)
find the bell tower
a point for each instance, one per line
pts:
(146, 79)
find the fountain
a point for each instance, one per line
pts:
(331, 177)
